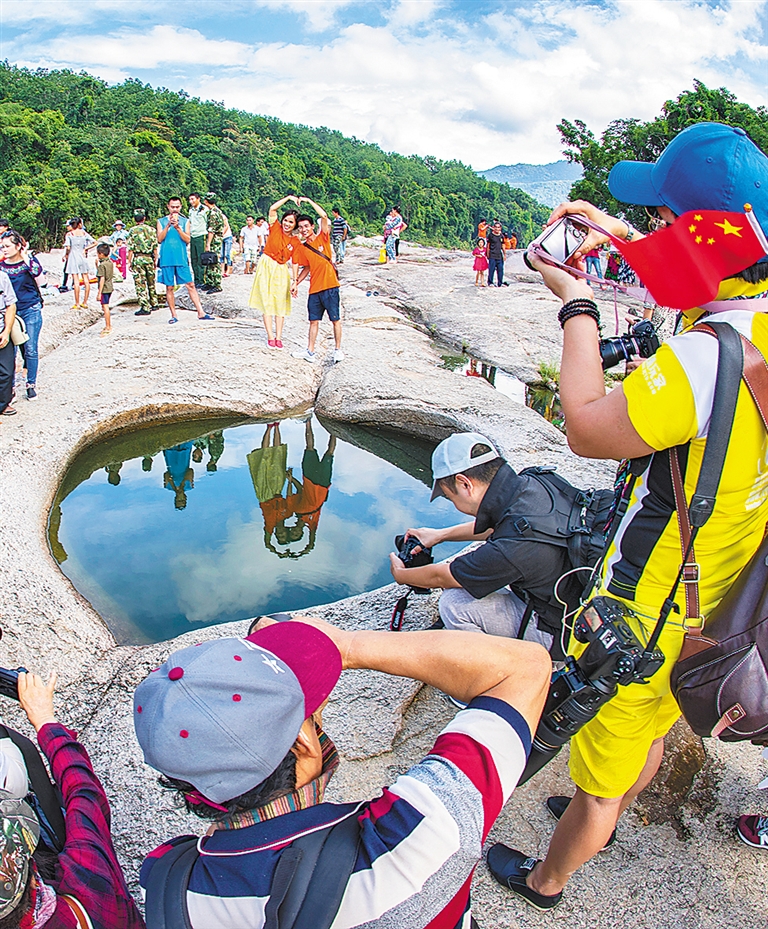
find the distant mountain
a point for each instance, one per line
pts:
(549, 184)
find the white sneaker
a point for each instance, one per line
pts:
(307, 355)
(338, 355)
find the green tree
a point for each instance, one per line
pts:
(632, 140)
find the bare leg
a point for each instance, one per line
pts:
(194, 296)
(170, 299)
(585, 827)
(268, 326)
(337, 332)
(107, 318)
(87, 284)
(76, 288)
(314, 325)
(279, 323)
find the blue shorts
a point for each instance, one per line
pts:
(174, 274)
(324, 301)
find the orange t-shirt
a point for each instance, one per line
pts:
(482, 230)
(277, 510)
(279, 246)
(322, 274)
(313, 496)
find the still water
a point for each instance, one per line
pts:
(175, 527)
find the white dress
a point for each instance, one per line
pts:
(77, 262)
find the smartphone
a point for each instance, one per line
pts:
(9, 682)
(562, 239)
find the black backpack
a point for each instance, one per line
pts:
(307, 885)
(579, 520)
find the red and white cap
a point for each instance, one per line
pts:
(222, 715)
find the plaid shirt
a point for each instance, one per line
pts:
(88, 868)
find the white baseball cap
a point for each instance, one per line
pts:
(454, 456)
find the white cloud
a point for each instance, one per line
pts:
(487, 92)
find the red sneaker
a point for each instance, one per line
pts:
(278, 343)
(272, 343)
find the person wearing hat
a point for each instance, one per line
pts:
(119, 233)
(88, 889)
(142, 258)
(235, 724)
(487, 589)
(215, 228)
(665, 403)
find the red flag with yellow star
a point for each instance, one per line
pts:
(682, 265)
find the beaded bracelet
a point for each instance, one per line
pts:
(581, 306)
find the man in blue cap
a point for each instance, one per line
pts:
(665, 403)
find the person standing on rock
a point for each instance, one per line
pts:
(497, 254)
(249, 244)
(235, 727)
(262, 229)
(271, 290)
(76, 247)
(25, 275)
(142, 261)
(339, 234)
(7, 348)
(394, 225)
(173, 263)
(665, 404)
(314, 257)
(215, 226)
(197, 228)
(480, 264)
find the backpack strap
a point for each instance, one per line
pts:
(78, 911)
(47, 793)
(330, 877)
(166, 898)
(322, 255)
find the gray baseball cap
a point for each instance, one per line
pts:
(453, 456)
(222, 715)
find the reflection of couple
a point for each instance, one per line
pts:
(304, 500)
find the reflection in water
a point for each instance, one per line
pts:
(249, 538)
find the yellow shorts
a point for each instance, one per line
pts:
(609, 753)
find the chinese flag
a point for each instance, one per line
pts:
(682, 265)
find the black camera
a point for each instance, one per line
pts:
(9, 682)
(613, 656)
(642, 340)
(405, 549)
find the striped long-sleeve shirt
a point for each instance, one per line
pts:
(420, 840)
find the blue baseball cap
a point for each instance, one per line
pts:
(709, 166)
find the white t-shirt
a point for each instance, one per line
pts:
(250, 237)
(262, 230)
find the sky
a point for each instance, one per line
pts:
(482, 81)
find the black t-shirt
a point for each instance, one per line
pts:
(506, 558)
(495, 245)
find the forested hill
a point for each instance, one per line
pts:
(73, 146)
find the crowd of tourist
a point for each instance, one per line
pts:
(234, 725)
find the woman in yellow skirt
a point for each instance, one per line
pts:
(271, 290)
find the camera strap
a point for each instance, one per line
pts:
(737, 358)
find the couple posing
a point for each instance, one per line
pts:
(293, 240)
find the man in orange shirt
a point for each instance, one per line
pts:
(314, 258)
(316, 482)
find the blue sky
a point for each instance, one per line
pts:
(483, 81)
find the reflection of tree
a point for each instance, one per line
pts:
(113, 472)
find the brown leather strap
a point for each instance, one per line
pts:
(690, 575)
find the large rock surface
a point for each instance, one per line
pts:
(675, 863)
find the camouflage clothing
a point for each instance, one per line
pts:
(142, 242)
(215, 223)
(142, 239)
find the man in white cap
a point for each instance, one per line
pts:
(488, 589)
(235, 725)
